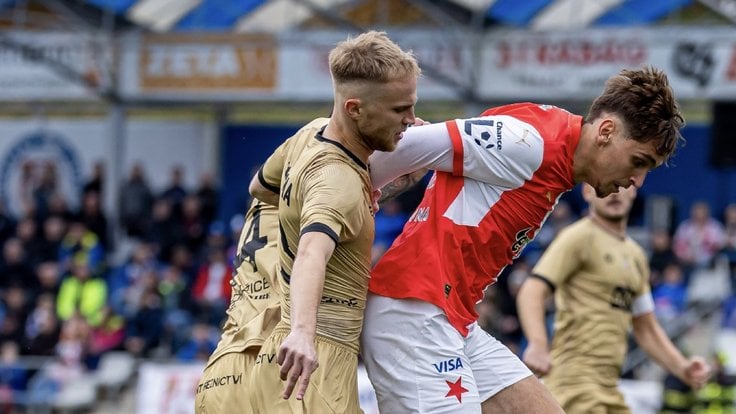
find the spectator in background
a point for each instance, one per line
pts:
(42, 327)
(49, 278)
(175, 191)
(211, 290)
(209, 197)
(44, 189)
(505, 325)
(27, 232)
(129, 276)
(182, 258)
(93, 217)
(96, 181)
(70, 352)
(698, 238)
(49, 244)
(59, 207)
(16, 304)
(661, 255)
(14, 268)
(200, 344)
(670, 296)
(192, 224)
(131, 298)
(136, 202)
(7, 223)
(561, 217)
(729, 247)
(729, 312)
(143, 330)
(81, 245)
(219, 237)
(13, 377)
(108, 335)
(82, 293)
(164, 232)
(176, 300)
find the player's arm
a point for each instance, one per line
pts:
(491, 149)
(422, 147)
(297, 355)
(401, 184)
(263, 191)
(651, 337)
(265, 184)
(531, 306)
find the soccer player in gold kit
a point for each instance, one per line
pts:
(325, 200)
(600, 280)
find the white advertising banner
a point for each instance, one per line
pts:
(167, 388)
(199, 66)
(522, 65)
(170, 388)
(33, 65)
(445, 59)
(234, 67)
(496, 65)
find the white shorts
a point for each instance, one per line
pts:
(419, 363)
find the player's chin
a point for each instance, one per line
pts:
(388, 146)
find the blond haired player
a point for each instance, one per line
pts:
(326, 225)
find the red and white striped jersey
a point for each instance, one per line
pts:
(509, 168)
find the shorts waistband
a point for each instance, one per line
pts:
(353, 349)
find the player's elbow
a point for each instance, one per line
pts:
(259, 191)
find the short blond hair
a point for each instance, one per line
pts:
(372, 57)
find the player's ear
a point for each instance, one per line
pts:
(352, 107)
(605, 130)
(588, 192)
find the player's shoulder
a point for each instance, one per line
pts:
(581, 229)
(636, 247)
(530, 112)
(307, 134)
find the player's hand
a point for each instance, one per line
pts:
(298, 360)
(419, 121)
(697, 372)
(538, 359)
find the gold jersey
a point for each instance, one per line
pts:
(597, 277)
(326, 188)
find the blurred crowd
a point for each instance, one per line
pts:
(63, 295)
(71, 290)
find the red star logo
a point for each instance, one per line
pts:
(456, 389)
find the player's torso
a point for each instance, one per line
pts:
(346, 276)
(464, 232)
(594, 305)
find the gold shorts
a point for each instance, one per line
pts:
(589, 399)
(333, 387)
(223, 386)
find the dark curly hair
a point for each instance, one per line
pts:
(645, 102)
